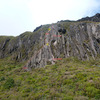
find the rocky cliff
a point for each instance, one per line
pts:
(80, 40)
(95, 18)
(20, 48)
(50, 43)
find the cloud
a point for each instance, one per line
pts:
(44, 11)
(93, 8)
(17, 16)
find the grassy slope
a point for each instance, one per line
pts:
(69, 79)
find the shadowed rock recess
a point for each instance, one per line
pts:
(50, 43)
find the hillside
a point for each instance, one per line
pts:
(59, 61)
(95, 18)
(68, 79)
(52, 42)
(49, 43)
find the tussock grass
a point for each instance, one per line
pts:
(68, 79)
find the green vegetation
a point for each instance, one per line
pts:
(9, 83)
(68, 79)
(3, 38)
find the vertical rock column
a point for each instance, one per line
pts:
(94, 53)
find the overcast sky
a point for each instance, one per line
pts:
(18, 16)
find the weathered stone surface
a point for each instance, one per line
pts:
(95, 18)
(42, 47)
(22, 47)
(79, 41)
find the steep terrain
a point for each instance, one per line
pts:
(95, 18)
(53, 42)
(21, 47)
(60, 61)
(79, 39)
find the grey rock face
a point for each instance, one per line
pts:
(49, 44)
(80, 40)
(95, 18)
(20, 48)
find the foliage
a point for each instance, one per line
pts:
(9, 83)
(68, 79)
(2, 78)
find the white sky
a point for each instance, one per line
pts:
(18, 16)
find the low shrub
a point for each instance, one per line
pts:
(2, 78)
(9, 83)
(97, 96)
(91, 91)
